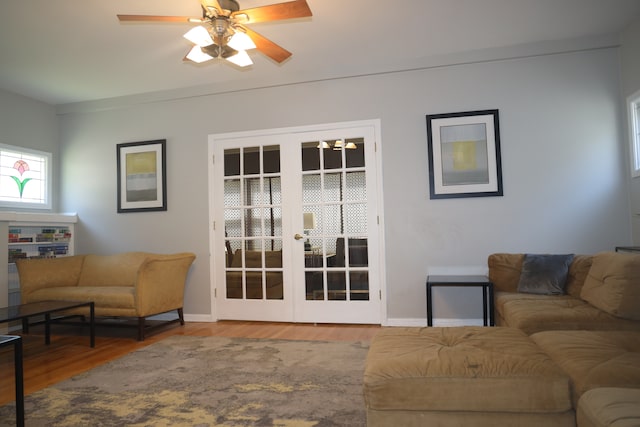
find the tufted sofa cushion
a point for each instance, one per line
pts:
(535, 313)
(470, 369)
(609, 407)
(594, 358)
(613, 284)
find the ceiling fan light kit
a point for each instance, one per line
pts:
(199, 36)
(241, 41)
(197, 55)
(241, 59)
(223, 34)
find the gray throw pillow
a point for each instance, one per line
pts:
(544, 274)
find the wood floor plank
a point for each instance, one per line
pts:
(69, 353)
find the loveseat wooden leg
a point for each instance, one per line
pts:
(181, 316)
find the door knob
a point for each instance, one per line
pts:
(298, 236)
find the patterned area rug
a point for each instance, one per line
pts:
(211, 381)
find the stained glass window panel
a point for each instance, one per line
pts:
(24, 178)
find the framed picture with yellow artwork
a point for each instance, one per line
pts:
(464, 154)
(142, 178)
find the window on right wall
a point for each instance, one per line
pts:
(633, 105)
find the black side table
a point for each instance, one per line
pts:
(16, 342)
(464, 281)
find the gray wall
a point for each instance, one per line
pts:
(630, 72)
(564, 166)
(564, 153)
(31, 124)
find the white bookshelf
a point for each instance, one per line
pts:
(31, 235)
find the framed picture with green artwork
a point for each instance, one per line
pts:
(464, 154)
(142, 178)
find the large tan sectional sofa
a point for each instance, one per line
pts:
(130, 284)
(612, 282)
(567, 359)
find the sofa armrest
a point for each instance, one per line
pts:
(40, 273)
(160, 283)
(504, 271)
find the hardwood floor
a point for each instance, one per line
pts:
(69, 353)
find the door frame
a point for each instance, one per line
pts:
(215, 247)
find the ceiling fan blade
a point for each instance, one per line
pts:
(266, 46)
(274, 12)
(156, 18)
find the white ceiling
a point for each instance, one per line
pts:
(68, 51)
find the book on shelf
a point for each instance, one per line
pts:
(53, 250)
(16, 235)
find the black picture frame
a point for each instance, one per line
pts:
(142, 176)
(464, 154)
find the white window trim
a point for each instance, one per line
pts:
(633, 105)
(48, 165)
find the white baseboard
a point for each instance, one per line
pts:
(436, 322)
(198, 318)
(407, 322)
(187, 317)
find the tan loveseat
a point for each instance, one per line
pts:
(570, 359)
(131, 284)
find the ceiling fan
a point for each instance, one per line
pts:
(224, 34)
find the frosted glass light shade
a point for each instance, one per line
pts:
(241, 59)
(197, 55)
(199, 36)
(241, 41)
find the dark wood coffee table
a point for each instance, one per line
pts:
(24, 311)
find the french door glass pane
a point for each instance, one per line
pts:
(251, 161)
(253, 223)
(332, 158)
(312, 188)
(232, 162)
(310, 156)
(355, 188)
(334, 192)
(354, 150)
(232, 192)
(271, 159)
(333, 187)
(272, 191)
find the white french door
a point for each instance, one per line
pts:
(297, 235)
(249, 250)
